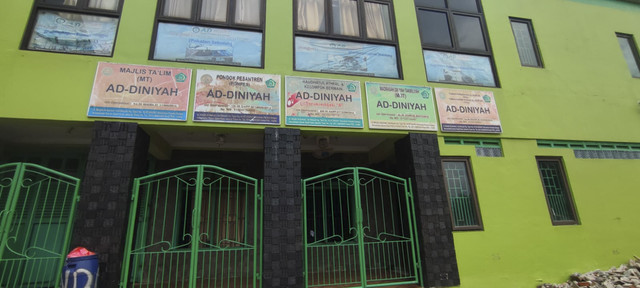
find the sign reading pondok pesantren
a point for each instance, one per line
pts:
(323, 102)
(140, 92)
(231, 97)
(401, 107)
(467, 111)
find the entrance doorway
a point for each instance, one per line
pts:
(194, 226)
(359, 230)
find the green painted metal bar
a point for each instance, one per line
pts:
(195, 221)
(413, 232)
(305, 238)
(10, 173)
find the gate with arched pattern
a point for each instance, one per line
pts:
(359, 230)
(194, 226)
(36, 217)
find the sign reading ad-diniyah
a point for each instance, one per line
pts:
(467, 111)
(323, 102)
(400, 107)
(231, 97)
(140, 92)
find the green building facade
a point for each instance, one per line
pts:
(545, 189)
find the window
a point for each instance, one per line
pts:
(465, 212)
(526, 42)
(73, 26)
(223, 32)
(455, 42)
(630, 52)
(556, 191)
(346, 37)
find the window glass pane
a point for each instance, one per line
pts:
(201, 44)
(459, 68)
(73, 33)
(104, 4)
(378, 21)
(214, 10)
(463, 206)
(177, 8)
(431, 3)
(464, 5)
(61, 2)
(248, 12)
(434, 28)
(630, 55)
(345, 57)
(345, 17)
(524, 43)
(469, 32)
(311, 15)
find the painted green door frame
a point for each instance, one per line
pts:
(359, 230)
(35, 224)
(194, 226)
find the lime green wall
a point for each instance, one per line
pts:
(519, 246)
(584, 92)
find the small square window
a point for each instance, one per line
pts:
(463, 201)
(434, 28)
(556, 191)
(470, 6)
(526, 42)
(630, 53)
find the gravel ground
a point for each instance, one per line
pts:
(625, 276)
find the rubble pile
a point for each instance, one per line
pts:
(625, 276)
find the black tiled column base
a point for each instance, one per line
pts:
(282, 241)
(118, 154)
(419, 158)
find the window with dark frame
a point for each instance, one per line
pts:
(221, 32)
(455, 42)
(346, 19)
(630, 53)
(463, 200)
(365, 27)
(556, 190)
(526, 42)
(86, 27)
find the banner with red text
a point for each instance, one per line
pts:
(140, 92)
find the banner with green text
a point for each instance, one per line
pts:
(232, 97)
(400, 107)
(323, 102)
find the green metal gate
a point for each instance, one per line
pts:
(194, 226)
(36, 219)
(359, 230)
